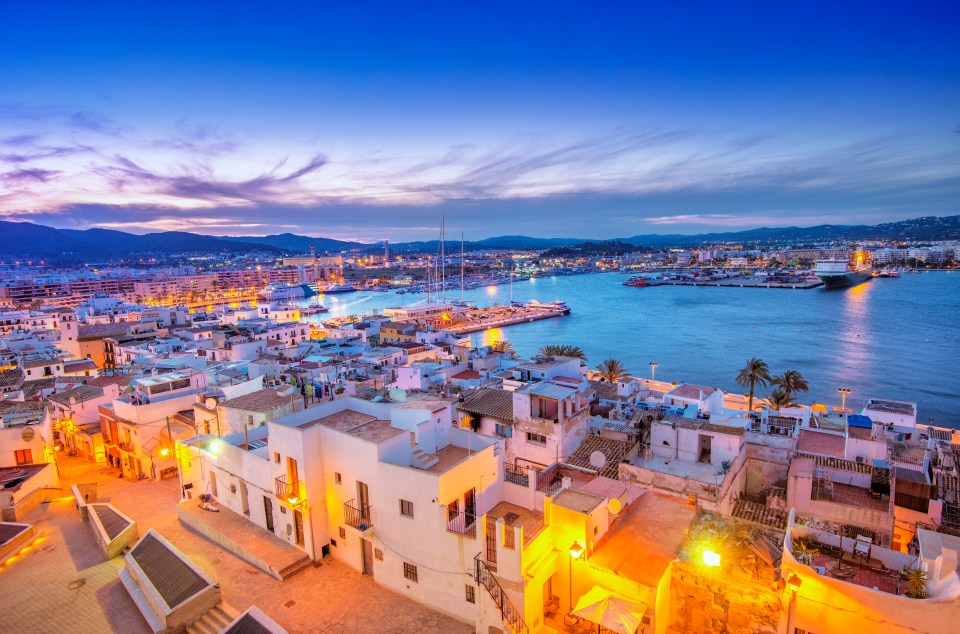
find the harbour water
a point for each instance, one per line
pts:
(888, 338)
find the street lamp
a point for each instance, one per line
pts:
(843, 397)
(576, 551)
(653, 371)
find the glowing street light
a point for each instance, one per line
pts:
(843, 397)
(711, 558)
(576, 551)
(794, 583)
(653, 371)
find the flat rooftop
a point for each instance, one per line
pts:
(645, 538)
(699, 471)
(357, 424)
(514, 515)
(579, 501)
(449, 457)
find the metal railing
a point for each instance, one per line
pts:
(125, 446)
(508, 613)
(462, 523)
(516, 475)
(357, 516)
(292, 492)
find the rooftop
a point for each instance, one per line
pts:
(691, 392)
(449, 457)
(614, 452)
(815, 442)
(358, 424)
(487, 401)
(579, 501)
(644, 539)
(514, 515)
(265, 400)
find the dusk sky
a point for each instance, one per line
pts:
(369, 121)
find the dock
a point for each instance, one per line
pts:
(481, 319)
(737, 282)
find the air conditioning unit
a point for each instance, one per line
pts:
(860, 460)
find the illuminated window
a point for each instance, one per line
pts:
(23, 456)
(410, 572)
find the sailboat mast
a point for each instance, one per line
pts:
(461, 267)
(443, 259)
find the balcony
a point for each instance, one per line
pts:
(126, 446)
(462, 523)
(357, 516)
(293, 492)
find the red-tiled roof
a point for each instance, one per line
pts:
(467, 375)
(691, 391)
(819, 443)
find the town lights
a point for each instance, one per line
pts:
(843, 397)
(164, 451)
(576, 550)
(711, 558)
(653, 371)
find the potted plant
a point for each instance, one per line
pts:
(916, 579)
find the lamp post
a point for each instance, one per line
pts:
(653, 371)
(843, 398)
(576, 550)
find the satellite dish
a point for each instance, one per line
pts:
(614, 506)
(27, 434)
(210, 403)
(598, 460)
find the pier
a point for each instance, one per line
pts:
(737, 282)
(480, 319)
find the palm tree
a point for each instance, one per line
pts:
(916, 579)
(611, 370)
(554, 350)
(792, 382)
(755, 371)
(503, 346)
(779, 398)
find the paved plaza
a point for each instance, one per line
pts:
(64, 584)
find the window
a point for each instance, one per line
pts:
(539, 439)
(24, 456)
(333, 542)
(504, 430)
(406, 508)
(471, 594)
(410, 572)
(337, 477)
(343, 533)
(378, 554)
(276, 456)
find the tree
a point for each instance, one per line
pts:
(575, 352)
(754, 372)
(779, 398)
(503, 346)
(791, 382)
(611, 370)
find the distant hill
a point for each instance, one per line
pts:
(298, 244)
(28, 240)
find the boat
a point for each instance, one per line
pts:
(275, 292)
(339, 288)
(837, 273)
(557, 305)
(637, 281)
(314, 309)
(888, 273)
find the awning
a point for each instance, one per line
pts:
(610, 610)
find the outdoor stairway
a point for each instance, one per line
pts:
(214, 621)
(295, 567)
(423, 460)
(508, 612)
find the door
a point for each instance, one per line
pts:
(298, 526)
(491, 540)
(244, 501)
(367, 557)
(470, 504)
(268, 512)
(363, 501)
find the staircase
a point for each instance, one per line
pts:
(508, 612)
(423, 460)
(301, 564)
(214, 621)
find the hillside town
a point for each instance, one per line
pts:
(230, 457)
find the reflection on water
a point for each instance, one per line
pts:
(488, 337)
(855, 337)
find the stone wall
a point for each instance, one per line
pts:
(708, 603)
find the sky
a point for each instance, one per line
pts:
(370, 121)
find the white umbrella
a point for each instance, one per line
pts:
(610, 610)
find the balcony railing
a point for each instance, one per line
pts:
(293, 492)
(516, 475)
(462, 523)
(356, 515)
(126, 446)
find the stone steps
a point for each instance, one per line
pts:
(214, 621)
(423, 460)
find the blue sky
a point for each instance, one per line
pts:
(549, 119)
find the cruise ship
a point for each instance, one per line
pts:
(275, 292)
(837, 273)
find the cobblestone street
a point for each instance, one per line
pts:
(64, 584)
